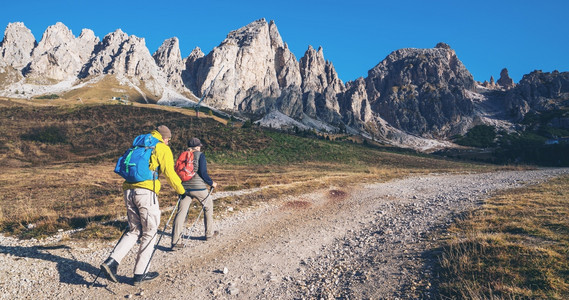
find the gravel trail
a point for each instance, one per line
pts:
(368, 242)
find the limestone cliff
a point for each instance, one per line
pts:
(17, 46)
(422, 91)
(59, 55)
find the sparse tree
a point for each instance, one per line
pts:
(342, 128)
(248, 124)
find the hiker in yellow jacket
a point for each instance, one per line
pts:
(143, 211)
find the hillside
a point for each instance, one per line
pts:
(67, 153)
(299, 216)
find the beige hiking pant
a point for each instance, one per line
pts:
(182, 214)
(143, 214)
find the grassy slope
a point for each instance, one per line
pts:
(515, 247)
(59, 161)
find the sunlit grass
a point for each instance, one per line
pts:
(515, 247)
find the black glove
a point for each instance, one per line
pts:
(182, 196)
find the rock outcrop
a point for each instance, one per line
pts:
(421, 91)
(59, 55)
(17, 46)
(247, 57)
(490, 85)
(355, 105)
(320, 86)
(505, 81)
(169, 59)
(260, 74)
(257, 72)
(127, 57)
(538, 91)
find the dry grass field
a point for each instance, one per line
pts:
(515, 247)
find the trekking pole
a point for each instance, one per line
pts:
(192, 228)
(161, 235)
(115, 247)
(196, 221)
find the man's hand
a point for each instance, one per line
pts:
(214, 185)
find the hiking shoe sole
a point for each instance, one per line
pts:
(140, 279)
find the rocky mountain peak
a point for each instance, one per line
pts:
(192, 64)
(538, 91)
(127, 57)
(442, 45)
(54, 36)
(246, 35)
(17, 45)
(505, 81)
(59, 55)
(169, 59)
(86, 43)
(313, 70)
(114, 39)
(168, 52)
(321, 85)
(196, 53)
(194, 56)
(424, 65)
(426, 83)
(276, 39)
(248, 57)
(110, 54)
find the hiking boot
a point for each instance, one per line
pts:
(213, 236)
(138, 279)
(110, 268)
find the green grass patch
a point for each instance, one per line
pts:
(50, 96)
(285, 148)
(515, 247)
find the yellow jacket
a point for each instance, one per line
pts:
(161, 157)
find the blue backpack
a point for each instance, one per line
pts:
(134, 164)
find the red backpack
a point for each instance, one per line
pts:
(185, 165)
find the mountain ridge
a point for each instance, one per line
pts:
(412, 94)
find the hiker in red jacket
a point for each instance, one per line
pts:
(195, 188)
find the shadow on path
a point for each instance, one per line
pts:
(66, 267)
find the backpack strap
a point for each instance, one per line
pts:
(127, 159)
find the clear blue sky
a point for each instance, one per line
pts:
(522, 35)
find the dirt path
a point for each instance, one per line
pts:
(369, 242)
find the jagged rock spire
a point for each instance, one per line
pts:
(169, 59)
(256, 65)
(126, 57)
(505, 81)
(59, 55)
(17, 45)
